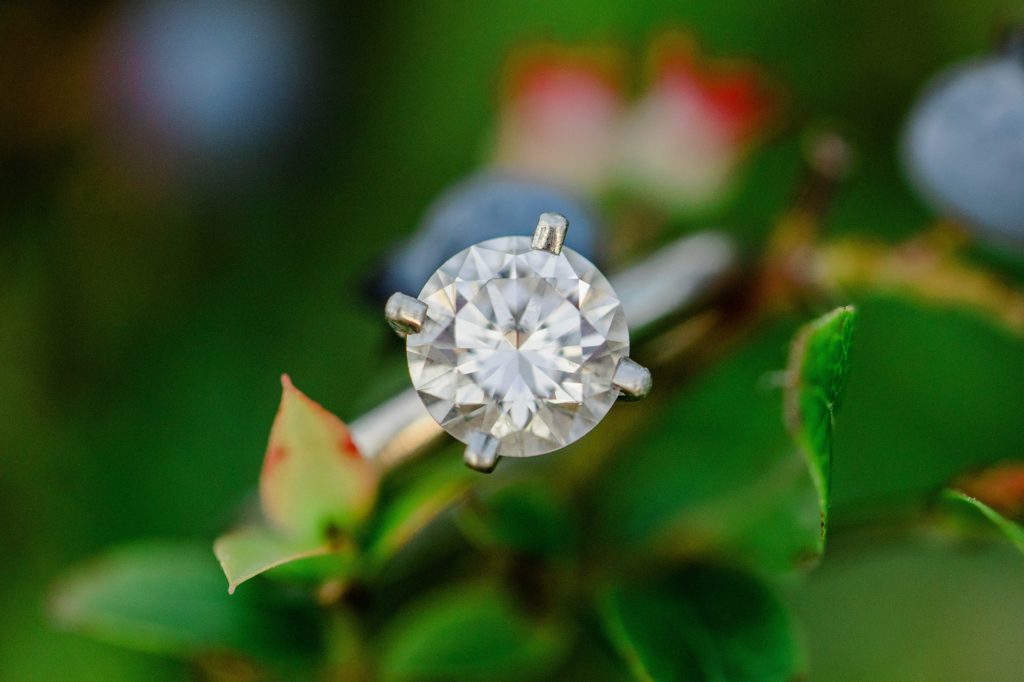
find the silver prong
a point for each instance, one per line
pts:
(405, 314)
(482, 452)
(550, 232)
(632, 379)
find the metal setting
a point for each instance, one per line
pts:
(632, 379)
(405, 314)
(482, 452)
(550, 233)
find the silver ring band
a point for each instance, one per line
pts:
(666, 283)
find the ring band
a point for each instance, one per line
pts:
(664, 284)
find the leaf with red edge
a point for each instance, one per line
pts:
(559, 115)
(1014, 532)
(1000, 487)
(997, 493)
(735, 93)
(314, 483)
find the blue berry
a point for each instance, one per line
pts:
(484, 206)
(209, 79)
(964, 146)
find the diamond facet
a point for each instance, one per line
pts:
(518, 343)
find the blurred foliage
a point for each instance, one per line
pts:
(709, 489)
(469, 632)
(144, 315)
(961, 606)
(157, 598)
(703, 625)
(720, 623)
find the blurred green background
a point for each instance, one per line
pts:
(148, 303)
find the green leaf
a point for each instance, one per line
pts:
(469, 632)
(701, 623)
(816, 376)
(1012, 530)
(249, 551)
(523, 515)
(414, 504)
(314, 483)
(168, 599)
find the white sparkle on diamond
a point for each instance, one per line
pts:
(518, 343)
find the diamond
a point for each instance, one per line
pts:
(520, 344)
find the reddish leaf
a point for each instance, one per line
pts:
(1000, 487)
(735, 93)
(314, 483)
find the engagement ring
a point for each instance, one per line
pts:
(518, 346)
(476, 369)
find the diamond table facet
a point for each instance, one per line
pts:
(518, 343)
